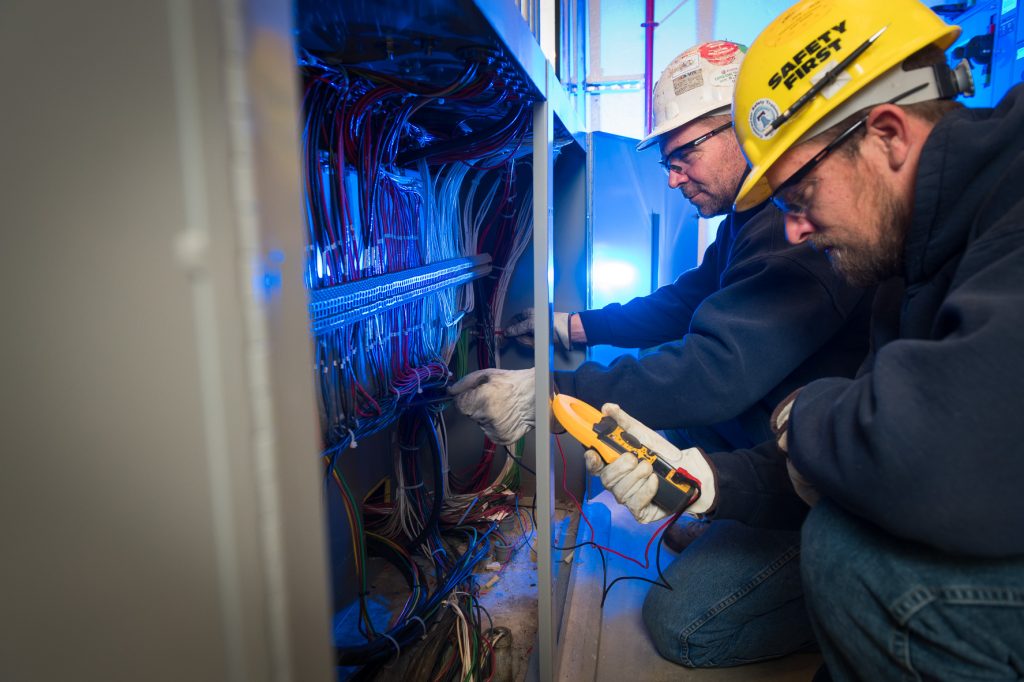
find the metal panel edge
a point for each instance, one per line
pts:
(513, 31)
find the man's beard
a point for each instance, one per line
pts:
(711, 204)
(866, 264)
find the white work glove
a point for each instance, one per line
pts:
(807, 492)
(780, 420)
(521, 329)
(634, 483)
(499, 400)
(780, 427)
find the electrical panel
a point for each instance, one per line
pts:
(418, 163)
(993, 41)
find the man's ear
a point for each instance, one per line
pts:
(890, 126)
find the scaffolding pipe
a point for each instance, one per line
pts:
(649, 25)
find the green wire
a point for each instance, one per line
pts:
(359, 555)
(462, 353)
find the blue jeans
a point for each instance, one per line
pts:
(736, 598)
(888, 609)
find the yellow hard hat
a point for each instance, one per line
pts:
(698, 82)
(803, 71)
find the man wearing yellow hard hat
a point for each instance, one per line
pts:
(913, 554)
(756, 320)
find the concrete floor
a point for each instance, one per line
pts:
(596, 644)
(512, 599)
(609, 644)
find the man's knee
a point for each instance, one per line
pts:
(844, 567)
(734, 599)
(825, 548)
(677, 621)
(724, 634)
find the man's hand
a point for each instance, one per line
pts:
(634, 483)
(807, 492)
(780, 427)
(499, 400)
(521, 329)
(780, 420)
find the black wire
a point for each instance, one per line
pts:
(518, 460)
(430, 525)
(662, 581)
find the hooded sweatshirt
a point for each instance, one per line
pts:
(757, 319)
(928, 441)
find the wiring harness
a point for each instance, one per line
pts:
(399, 176)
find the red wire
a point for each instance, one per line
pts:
(663, 526)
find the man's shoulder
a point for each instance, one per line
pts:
(764, 219)
(761, 232)
(760, 243)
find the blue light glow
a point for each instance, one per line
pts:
(612, 276)
(267, 281)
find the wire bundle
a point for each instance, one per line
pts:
(436, 555)
(393, 183)
(370, 215)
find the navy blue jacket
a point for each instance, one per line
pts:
(928, 442)
(757, 319)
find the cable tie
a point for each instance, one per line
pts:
(398, 649)
(353, 444)
(411, 487)
(422, 623)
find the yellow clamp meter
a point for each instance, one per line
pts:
(599, 432)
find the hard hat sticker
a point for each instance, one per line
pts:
(687, 81)
(687, 62)
(762, 113)
(830, 90)
(726, 76)
(719, 52)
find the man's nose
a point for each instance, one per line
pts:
(798, 228)
(676, 179)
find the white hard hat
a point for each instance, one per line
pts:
(698, 82)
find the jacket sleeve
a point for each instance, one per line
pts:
(775, 308)
(928, 444)
(754, 487)
(662, 316)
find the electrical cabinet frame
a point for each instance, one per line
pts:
(160, 491)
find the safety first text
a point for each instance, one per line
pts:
(809, 58)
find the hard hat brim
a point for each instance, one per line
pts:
(753, 191)
(649, 141)
(672, 126)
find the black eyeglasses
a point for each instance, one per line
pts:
(670, 167)
(795, 207)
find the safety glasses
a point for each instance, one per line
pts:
(667, 164)
(792, 201)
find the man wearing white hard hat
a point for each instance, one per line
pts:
(756, 320)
